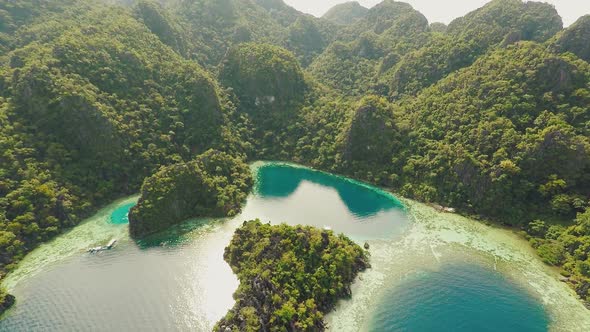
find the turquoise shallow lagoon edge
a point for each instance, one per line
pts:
(294, 194)
(121, 214)
(459, 298)
(257, 166)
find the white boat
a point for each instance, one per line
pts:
(95, 249)
(112, 243)
(102, 248)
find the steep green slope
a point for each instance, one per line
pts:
(469, 37)
(214, 26)
(290, 277)
(16, 14)
(269, 87)
(266, 79)
(161, 23)
(510, 130)
(489, 114)
(214, 184)
(372, 138)
(89, 107)
(107, 91)
(501, 132)
(575, 39)
(438, 27)
(371, 45)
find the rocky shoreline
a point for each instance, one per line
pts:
(6, 302)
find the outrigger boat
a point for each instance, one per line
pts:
(102, 248)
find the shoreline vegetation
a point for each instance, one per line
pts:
(558, 246)
(6, 301)
(505, 249)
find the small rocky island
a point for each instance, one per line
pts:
(290, 276)
(214, 184)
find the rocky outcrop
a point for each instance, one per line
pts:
(215, 184)
(290, 276)
(6, 301)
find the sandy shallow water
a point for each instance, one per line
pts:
(436, 239)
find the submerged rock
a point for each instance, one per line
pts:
(6, 301)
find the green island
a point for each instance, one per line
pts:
(487, 114)
(290, 276)
(214, 184)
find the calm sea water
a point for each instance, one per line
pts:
(459, 298)
(297, 195)
(121, 214)
(178, 281)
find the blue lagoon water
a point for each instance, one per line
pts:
(297, 195)
(121, 214)
(459, 298)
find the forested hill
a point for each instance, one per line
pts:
(345, 13)
(489, 114)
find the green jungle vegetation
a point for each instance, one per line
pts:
(489, 114)
(345, 13)
(290, 276)
(214, 184)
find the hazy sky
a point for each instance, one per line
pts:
(445, 10)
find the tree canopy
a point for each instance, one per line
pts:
(290, 276)
(214, 184)
(345, 13)
(574, 39)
